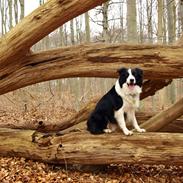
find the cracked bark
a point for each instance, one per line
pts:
(84, 148)
(94, 60)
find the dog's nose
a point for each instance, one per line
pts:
(131, 80)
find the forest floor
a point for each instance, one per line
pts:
(20, 170)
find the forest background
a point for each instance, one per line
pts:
(117, 21)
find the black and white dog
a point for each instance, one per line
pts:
(118, 104)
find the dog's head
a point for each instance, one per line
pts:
(131, 79)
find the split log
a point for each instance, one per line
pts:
(54, 13)
(94, 60)
(84, 148)
(150, 87)
(165, 117)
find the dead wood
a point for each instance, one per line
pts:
(165, 117)
(84, 148)
(42, 21)
(94, 60)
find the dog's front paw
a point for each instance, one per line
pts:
(128, 132)
(141, 130)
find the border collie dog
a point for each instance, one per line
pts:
(118, 104)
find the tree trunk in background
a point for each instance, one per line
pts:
(160, 22)
(105, 22)
(87, 27)
(149, 20)
(10, 8)
(122, 35)
(170, 20)
(181, 13)
(61, 35)
(16, 11)
(162, 93)
(131, 21)
(164, 24)
(22, 9)
(3, 18)
(72, 32)
(78, 23)
(141, 21)
(171, 37)
(65, 35)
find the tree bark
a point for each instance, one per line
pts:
(165, 117)
(131, 21)
(171, 20)
(94, 60)
(87, 28)
(37, 25)
(84, 148)
(160, 21)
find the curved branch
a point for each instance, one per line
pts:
(95, 60)
(54, 13)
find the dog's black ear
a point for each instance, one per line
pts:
(122, 70)
(139, 76)
(139, 72)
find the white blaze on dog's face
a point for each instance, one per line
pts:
(130, 80)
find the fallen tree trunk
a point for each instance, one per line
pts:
(94, 60)
(165, 117)
(84, 148)
(54, 13)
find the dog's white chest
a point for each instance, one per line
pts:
(130, 103)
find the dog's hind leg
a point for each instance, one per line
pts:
(111, 127)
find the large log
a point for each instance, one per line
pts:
(95, 60)
(84, 148)
(162, 119)
(54, 13)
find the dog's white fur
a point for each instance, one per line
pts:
(130, 104)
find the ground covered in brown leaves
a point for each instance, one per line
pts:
(21, 170)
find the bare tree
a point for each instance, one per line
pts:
(10, 14)
(171, 20)
(131, 21)
(105, 21)
(87, 27)
(149, 20)
(122, 35)
(72, 31)
(180, 17)
(22, 9)
(16, 11)
(160, 21)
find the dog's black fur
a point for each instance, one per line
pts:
(109, 103)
